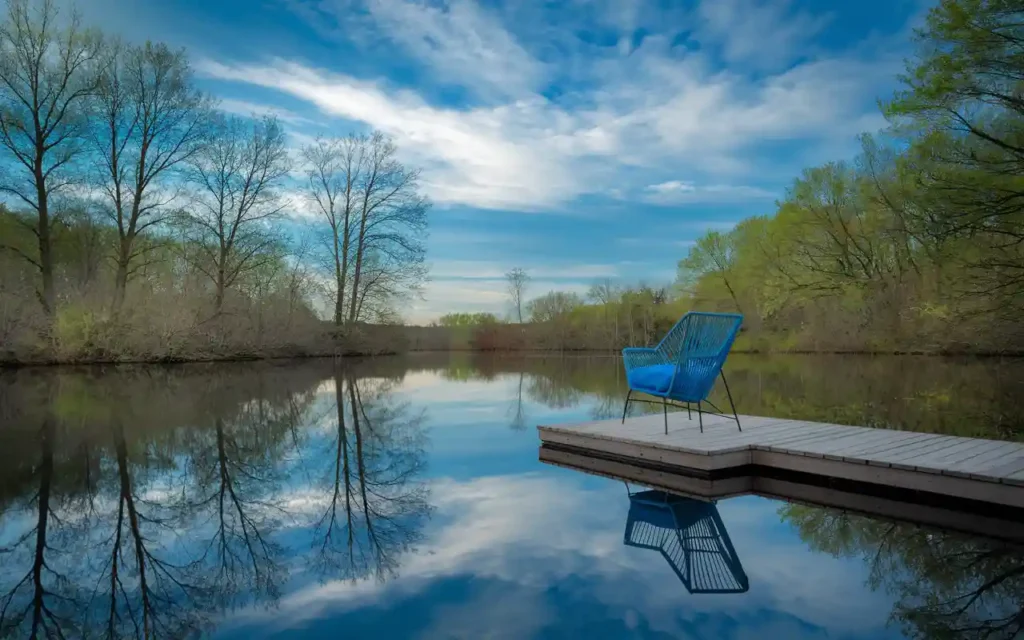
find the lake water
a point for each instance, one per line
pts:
(403, 497)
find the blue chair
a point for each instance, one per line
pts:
(683, 368)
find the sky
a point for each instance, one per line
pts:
(578, 140)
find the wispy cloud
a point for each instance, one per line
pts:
(245, 108)
(764, 33)
(467, 156)
(558, 118)
(684, 191)
(481, 269)
(462, 42)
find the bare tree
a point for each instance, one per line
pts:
(47, 71)
(388, 278)
(518, 280)
(150, 119)
(603, 292)
(333, 165)
(235, 174)
(392, 216)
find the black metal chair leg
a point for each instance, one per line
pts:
(664, 408)
(700, 418)
(689, 416)
(731, 403)
(626, 406)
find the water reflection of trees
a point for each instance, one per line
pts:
(957, 396)
(139, 504)
(375, 504)
(947, 585)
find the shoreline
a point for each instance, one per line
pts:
(6, 365)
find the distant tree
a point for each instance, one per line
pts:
(553, 305)
(518, 280)
(603, 292)
(467, 319)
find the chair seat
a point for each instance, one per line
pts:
(656, 378)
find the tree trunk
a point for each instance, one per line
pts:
(340, 270)
(732, 293)
(219, 301)
(343, 275)
(48, 296)
(339, 300)
(124, 251)
(359, 266)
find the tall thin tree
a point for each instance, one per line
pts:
(392, 213)
(517, 281)
(334, 168)
(150, 119)
(236, 175)
(48, 69)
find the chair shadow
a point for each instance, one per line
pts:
(692, 538)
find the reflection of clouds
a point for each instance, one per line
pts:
(528, 541)
(432, 388)
(509, 613)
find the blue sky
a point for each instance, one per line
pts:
(579, 140)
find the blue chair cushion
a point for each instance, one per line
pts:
(655, 378)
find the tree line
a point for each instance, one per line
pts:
(607, 316)
(918, 243)
(138, 221)
(915, 245)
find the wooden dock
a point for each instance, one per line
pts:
(988, 471)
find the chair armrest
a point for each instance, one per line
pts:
(634, 357)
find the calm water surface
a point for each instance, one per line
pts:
(404, 498)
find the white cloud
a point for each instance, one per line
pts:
(684, 191)
(460, 41)
(245, 108)
(526, 149)
(765, 33)
(467, 156)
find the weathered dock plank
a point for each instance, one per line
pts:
(969, 468)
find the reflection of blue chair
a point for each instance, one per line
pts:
(690, 535)
(685, 364)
